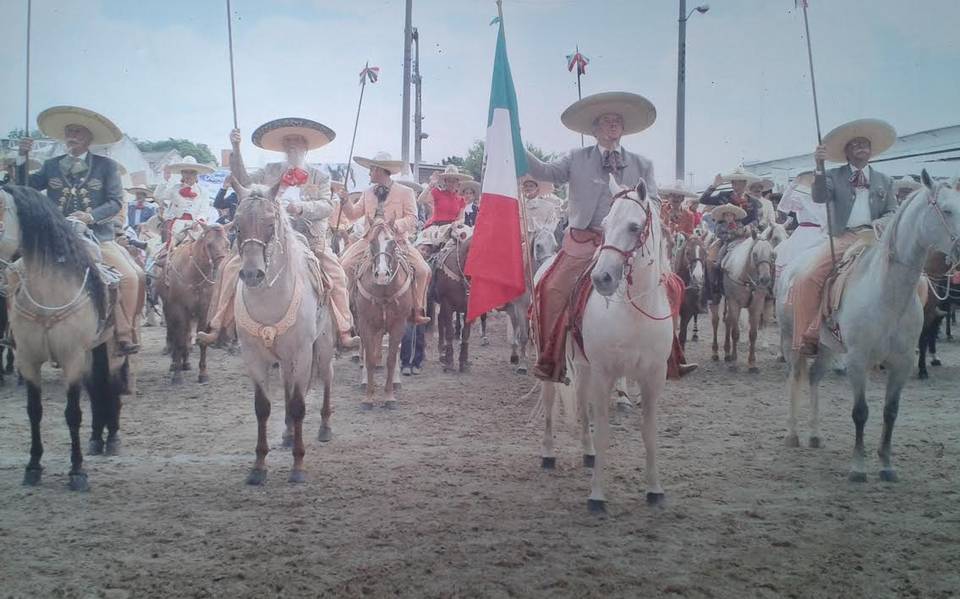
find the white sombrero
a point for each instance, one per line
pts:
(382, 159)
(53, 121)
(880, 133)
(678, 188)
(637, 112)
(138, 189)
(269, 136)
(761, 186)
(189, 163)
(718, 212)
(452, 171)
(741, 175)
(543, 187)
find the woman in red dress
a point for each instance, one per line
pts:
(443, 197)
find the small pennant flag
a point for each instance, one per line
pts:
(370, 74)
(579, 61)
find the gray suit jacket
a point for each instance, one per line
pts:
(590, 198)
(834, 185)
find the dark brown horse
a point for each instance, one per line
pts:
(185, 286)
(689, 262)
(942, 294)
(452, 290)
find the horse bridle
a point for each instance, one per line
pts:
(396, 268)
(642, 236)
(266, 245)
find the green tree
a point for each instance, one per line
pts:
(454, 160)
(473, 162)
(184, 146)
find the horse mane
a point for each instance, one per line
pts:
(48, 239)
(888, 237)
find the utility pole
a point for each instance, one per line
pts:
(418, 135)
(682, 81)
(407, 41)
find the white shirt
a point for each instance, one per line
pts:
(615, 148)
(860, 213)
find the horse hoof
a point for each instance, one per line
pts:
(78, 482)
(753, 370)
(325, 434)
(936, 362)
(31, 477)
(287, 441)
(715, 358)
(297, 476)
(781, 359)
(257, 477)
(203, 378)
(656, 499)
(112, 448)
(922, 375)
(95, 447)
(815, 443)
(548, 463)
(888, 475)
(695, 338)
(589, 460)
(597, 506)
(366, 406)
(514, 359)
(857, 477)
(522, 370)
(792, 441)
(390, 404)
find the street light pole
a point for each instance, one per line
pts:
(682, 81)
(417, 109)
(405, 127)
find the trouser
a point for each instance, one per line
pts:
(807, 290)
(413, 346)
(421, 270)
(552, 297)
(130, 297)
(339, 296)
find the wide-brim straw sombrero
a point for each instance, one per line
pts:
(741, 175)
(189, 163)
(452, 171)
(638, 113)
(53, 121)
(383, 160)
(719, 211)
(678, 188)
(137, 189)
(881, 134)
(474, 185)
(269, 136)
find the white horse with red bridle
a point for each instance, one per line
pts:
(627, 331)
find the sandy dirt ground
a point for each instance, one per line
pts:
(445, 497)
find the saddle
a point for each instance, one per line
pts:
(836, 283)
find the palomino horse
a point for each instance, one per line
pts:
(879, 318)
(281, 320)
(185, 286)
(543, 245)
(452, 291)
(56, 314)
(747, 281)
(384, 300)
(627, 332)
(689, 262)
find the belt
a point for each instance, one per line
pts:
(809, 225)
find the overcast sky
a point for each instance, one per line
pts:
(159, 69)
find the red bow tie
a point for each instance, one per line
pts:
(186, 192)
(295, 177)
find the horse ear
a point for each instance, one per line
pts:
(615, 187)
(926, 180)
(641, 190)
(242, 192)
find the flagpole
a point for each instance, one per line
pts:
(353, 140)
(233, 83)
(525, 241)
(579, 92)
(26, 115)
(816, 114)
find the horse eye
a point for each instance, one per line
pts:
(634, 228)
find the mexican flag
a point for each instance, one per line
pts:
(495, 263)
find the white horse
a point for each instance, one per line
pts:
(543, 246)
(880, 316)
(627, 333)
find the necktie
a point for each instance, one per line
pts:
(294, 177)
(859, 180)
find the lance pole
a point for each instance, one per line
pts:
(816, 114)
(353, 141)
(579, 91)
(233, 82)
(26, 114)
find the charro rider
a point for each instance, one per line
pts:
(442, 197)
(543, 208)
(185, 203)
(607, 117)
(87, 188)
(676, 217)
(305, 191)
(390, 203)
(859, 199)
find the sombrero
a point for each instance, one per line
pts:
(382, 159)
(452, 171)
(189, 163)
(741, 175)
(269, 136)
(637, 112)
(53, 121)
(880, 133)
(905, 182)
(138, 189)
(677, 188)
(543, 187)
(475, 186)
(761, 186)
(719, 211)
